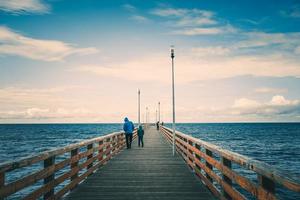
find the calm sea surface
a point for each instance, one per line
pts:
(277, 144)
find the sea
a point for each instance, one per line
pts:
(277, 144)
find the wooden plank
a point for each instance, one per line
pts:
(48, 163)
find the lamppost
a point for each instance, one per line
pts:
(139, 107)
(173, 98)
(159, 111)
(147, 117)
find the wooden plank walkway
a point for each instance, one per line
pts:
(143, 173)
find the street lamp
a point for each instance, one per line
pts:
(139, 107)
(173, 97)
(158, 111)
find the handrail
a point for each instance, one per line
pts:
(199, 156)
(94, 155)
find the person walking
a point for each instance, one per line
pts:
(128, 128)
(140, 133)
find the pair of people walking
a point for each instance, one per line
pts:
(128, 128)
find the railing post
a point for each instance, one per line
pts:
(89, 147)
(209, 153)
(47, 163)
(266, 183)
(74, 153)
(2, 182)
(226, 179)
(100, 151)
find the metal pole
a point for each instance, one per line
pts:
(173, 99)
(139, 107)
(159, 111)
(147, 117)
(155, 116)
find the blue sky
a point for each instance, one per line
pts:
(66, 61)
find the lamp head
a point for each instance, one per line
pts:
(172, 52)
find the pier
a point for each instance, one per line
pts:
(100, 168)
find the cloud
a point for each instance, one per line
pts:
(198, 31)
(139, 18)
(13, 43)
(260, 39)
(293, 12)
(278, 105)
(210, 51)
(129, 7)
(24, 6)
(270, 90)
(192, 65)
(186, 17)
(297, 50)
(46, 113)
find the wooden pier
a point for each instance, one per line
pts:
(144, 173)
(100, 168)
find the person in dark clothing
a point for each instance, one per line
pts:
(128, 128)
(157, 125)
(140, 133)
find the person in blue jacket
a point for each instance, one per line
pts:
(128, 128)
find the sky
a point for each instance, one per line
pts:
(64, 61)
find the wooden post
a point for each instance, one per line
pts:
(90, 146)
(209, 153)
(198, 157)
(266, 183)
(74, 152)
(2, 182)
(226, 179)
(47, 163)
(100, 151)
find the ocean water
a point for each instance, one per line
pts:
(277, 144)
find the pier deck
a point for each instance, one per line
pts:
(143, 173)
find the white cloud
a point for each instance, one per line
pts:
(129, 7)
(46, 113)
(24, 6)
(260, 39)
(293, 12)
(297, 50)
(139, 18)
(198, 31)
(167, 12)
(205, 31)
(13, 43)
(210, 51)
(270, 90)
(186, 17)
(278, 105)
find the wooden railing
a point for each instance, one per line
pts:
(208, 161)
(83, 159)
